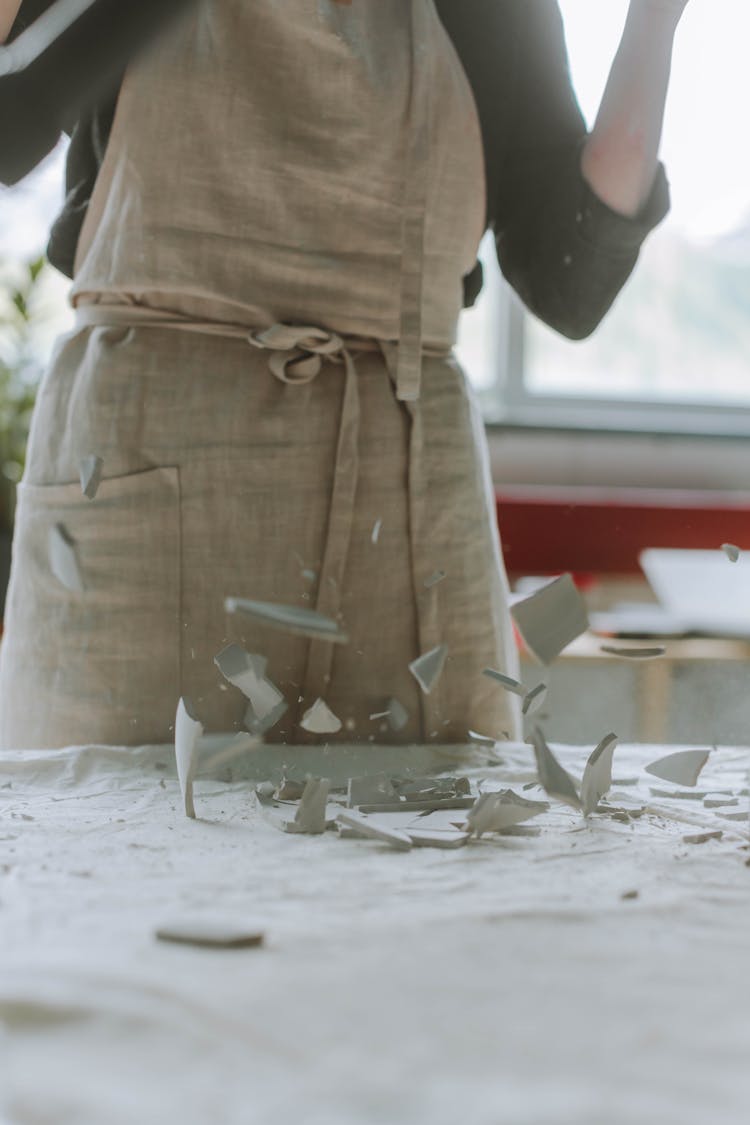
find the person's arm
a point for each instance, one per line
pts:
(619, 159)
(8, 13)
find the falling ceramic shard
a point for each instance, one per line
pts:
(597, 776)
(320, 719)
(246, 671)
(398, 716)
(732, 552)
(374, 830)
(90, 470)
(211, 933)
(187, 731)
(496, 812)
(366, 790)
(702, 837)
(258, 727)
(64, 560)
(376, 530)
(311, 813)
(646, 652)
(507, 681)
(551, 618)
(534, 699)
(434, 578)
(426, 668)
(293, 619)
(555, 781)
(682, 768)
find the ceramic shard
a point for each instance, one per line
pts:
(289, 790)
(436, 838)
(374, 830)
(398, 716)
(508, 682)
(497, 812)
(555, 781)
(682, 768)
(291, 618)
(90, 471)
(423, 788)
(376, 530)
(434, 578)
(597, 776)
(427, 805)
(732, 552)
(534, 699)
(258, 727)
(645, 652)
(551, 618)
(211, 933)
(427, 667)
(702, 837)
(366, 790)
(320, 719)
(310, 817)
(246, 671)
(63, 559)
(187, 731)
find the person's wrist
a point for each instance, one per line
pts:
(660, 15)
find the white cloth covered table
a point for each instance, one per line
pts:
(507, 981)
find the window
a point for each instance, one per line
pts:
(674, 353)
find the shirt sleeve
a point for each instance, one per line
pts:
(565, 252)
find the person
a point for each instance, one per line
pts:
(274, 226)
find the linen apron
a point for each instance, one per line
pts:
(267, 284)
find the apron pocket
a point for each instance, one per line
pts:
(91, 651)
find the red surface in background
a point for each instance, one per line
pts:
(543, 535)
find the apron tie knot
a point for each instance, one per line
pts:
(296, 350)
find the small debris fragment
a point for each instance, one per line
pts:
(64, 560)
(422, 788)
(555, 781)
(258, 727)
(309, 575)
(534, 699)
(702, 837)
(187, 731)
(398, 716)
(437, 838)
(551, 618)
(374, 830)
(427, 667)
(496, 812)
(629, 895)
(211, 933)
(597, 776)
(732, 552)
(720, 803)
(310, 818)
(682, 768)
(647, 652)
(90, 471)
(320, 719)
(369, 790)
(289, 790)
(431, 805)
(376, 530)
(293, 619)
(434, 578)
(507, 681)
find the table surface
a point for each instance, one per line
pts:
(507, 981)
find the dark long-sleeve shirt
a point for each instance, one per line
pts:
(564, 251)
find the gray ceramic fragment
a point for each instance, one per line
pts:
(597, 776)
(289, 790)
(720, 802)
(63, 559)
(646, 652)
(551, 618)
(366, 790)
(434, 578)
(187, 731)
(258, 727)
(678, 794)
(508, 682)
(246, 671)
(211, 933)
(428, 788)
(311, 814)
(427, 667)
(374, 830)
(740, 816)
(555, 781)
(432, 805)
(534, 699)
(90, 470)
(732, 552)
(437, 838)
(398, 716)
(682, 768)
(702, 837)
(320, 719)
(496, 812)
(292, 619)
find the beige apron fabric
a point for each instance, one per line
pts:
(262, 358)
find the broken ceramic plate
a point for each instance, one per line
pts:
(320, 719)
(682, 768)
(294, 619)
(90, 470)
(534, 699)
(187, 731)
(246, 671)
(597, 776)
(555, 781)
(551, 618)
(311, 812)
(497, 812)
(732, 552)
(398, 716)
(211, 933)
(646, 652)
(434, 578)
(64, 559)
(427, 667)
(374, 830)
(507, 681)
